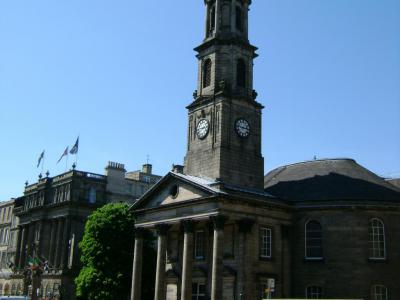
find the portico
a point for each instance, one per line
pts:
(206, 240)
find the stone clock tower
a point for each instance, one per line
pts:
(224, 132)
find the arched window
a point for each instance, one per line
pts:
(377, 239)
(241, 73)
(6, 289)
(92, 195)
(313, 239)
(379, 292)
(207, 66)
(313, 292)
(239, 18)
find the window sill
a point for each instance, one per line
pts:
(261, 258)
(377, 259)
(314, 259)
(199, 259)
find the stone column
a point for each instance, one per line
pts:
(30, 239)
(53, 228)
(37, 239)
(65, 240)
(217, 259)
(233, 15)
(218, 17)
(245, 226)
(23, 246)
(187, 262)
(18, 246)
(58, 243)
(207, 20)
(137, 266)
(246, 18)
(161, 254)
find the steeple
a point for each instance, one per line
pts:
(228, 18)
(226, 56)
(224, 131)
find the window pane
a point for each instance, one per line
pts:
(207, 73)
(377, 239)
(265, 242)
(314, 292)
(313, 240)
(241, 73)
(379, 292)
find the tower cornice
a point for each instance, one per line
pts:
(201, 101)
(227, 41)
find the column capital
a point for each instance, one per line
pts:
(245, 225)
(188, 226)
(139, 232)
(218, 221)
(162, 229)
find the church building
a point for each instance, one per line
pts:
(319, 229)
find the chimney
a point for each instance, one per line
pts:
(147, 168)
(177, 169)
(115, 173)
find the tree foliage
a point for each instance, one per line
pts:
(107, 255)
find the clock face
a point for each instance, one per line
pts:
(202, 128)
(242, 128)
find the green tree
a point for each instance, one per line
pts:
(107, 256)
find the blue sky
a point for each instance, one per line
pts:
(120, 73)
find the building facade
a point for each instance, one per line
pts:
(8, 226)
(323, 229)
(51, 218)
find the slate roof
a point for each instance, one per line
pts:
(394, 181)
(329, 179)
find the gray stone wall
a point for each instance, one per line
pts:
(346, 270)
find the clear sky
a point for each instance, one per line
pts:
(120, 73)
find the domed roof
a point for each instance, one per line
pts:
(329, 179)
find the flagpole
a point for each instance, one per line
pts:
(66, 162)
(42, 164)
(77, 153)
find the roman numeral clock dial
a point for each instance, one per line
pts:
(242, 128)
(202, 128)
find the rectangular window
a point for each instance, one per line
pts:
(267, 288)
(198, 291)
(379, 292)
(265, 242)
(313, 292)
(199, 245)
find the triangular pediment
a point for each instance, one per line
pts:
(176, 188)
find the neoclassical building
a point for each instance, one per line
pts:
(320, 229)
(51, 216)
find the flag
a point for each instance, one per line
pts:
(65, 153)
(75, 148)
(40, 159)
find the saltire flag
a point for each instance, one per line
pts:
(75, 148)
(65, 153)
(40, 159)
